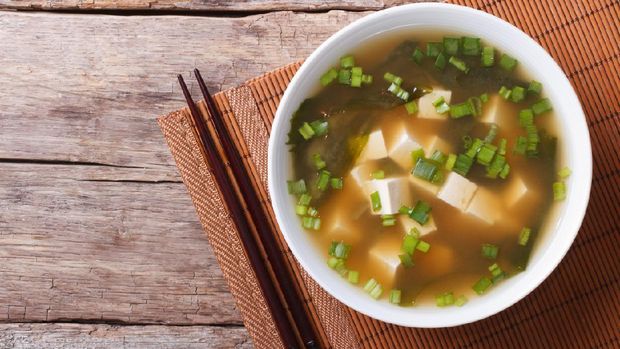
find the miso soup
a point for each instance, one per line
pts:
(425, 167)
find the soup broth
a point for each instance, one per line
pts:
(476, 233)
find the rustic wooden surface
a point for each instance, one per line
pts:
(202, 5)
(99, 242)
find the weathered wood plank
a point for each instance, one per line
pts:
(201, 5)
(118, 242)
(93, 95)
(73, 248)
(82, 336)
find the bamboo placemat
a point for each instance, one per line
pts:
(578, 306)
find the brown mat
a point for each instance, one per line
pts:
(578, 306)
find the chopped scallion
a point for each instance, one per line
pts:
(488, 56)
(451, 45)
(395, 296)
(353, 276)
(306, 131)
(520, 145)
(564, 173)
(296, 187)
(433, 49)
(439, 157)
(421, 212)
(336, 183)
(396, 80)
(301, 210)
(526, 117)
(378, 174)
(505, 171)
(319, 127)
(406, 260)
(476, 105)
(417, 55)
(304, 199)
(404, 209)
(496, 166)
(423, 246)
(388, 220)
(463, 164)
(535, 87)
(312, 212)
(505, 92)
(344, 76)
(501, 149)
(376, 201)
(459, 64)
(376, 291)
(340, 249)
(507, 62)
(482, 285)
(411, 107)
(319, 164)
(484, 97)
(518, 94)
(366, 79)
(486, 154)
(559, 191)
(440, 61)
(490, 251)
(416, 155)
(471, 46)
(450, 162)
(444, 299)
(475, 147)
(333, 261)
(409, 244)
(524, 236)
(460, 110)
(544, 105)
(347, 61)
(460, 300)
(425, 169)
(323, 180)
(492, 134)
(329, 77)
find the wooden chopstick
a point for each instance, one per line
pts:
(216, 163)
(275, 257)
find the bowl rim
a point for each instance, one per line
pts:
(578, 204)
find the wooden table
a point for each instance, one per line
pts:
(99, 242)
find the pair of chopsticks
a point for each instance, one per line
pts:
(299, 323)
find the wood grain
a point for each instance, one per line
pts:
(75, 246)
(201, 5)
(81, 336)
(94, 223)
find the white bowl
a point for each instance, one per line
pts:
(560, 232)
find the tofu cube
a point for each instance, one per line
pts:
(407, 224)
(421, 184)
(342, 228)
(486, 206)
(384, 258)
(360, 174)
(457, 191)
(393, 193)
(400, 150)
(493, 109)
(375, 147)
(515, 191)
(426, 109)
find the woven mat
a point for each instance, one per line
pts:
(578, 306)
